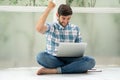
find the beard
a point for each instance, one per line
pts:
(62, 24)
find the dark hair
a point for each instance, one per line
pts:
(64, 10)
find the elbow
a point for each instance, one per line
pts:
(39, 29)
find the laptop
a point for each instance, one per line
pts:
(71, 49)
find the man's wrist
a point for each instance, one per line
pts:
(49, 8)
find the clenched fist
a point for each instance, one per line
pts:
(51, 4)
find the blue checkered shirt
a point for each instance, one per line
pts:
(56, 33)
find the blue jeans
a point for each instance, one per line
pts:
(66, 64)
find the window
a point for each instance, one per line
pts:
(23, 2)
(94, 3)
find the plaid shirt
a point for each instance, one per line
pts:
(56, 33)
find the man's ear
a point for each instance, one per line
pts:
(57, 14)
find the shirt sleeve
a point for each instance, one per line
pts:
(48, 27)
(79, 37)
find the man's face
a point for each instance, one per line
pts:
(64, 20)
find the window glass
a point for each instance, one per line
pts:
(94, 3)
(23, 2)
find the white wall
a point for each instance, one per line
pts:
(20, 43)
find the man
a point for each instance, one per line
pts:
(60, 31)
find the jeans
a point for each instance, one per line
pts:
(66, 64)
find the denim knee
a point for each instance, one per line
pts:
(92, 62)
(40, 58)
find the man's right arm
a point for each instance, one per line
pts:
(41, 27)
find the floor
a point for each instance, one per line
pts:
(28, 73)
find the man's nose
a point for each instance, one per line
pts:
(66, 21)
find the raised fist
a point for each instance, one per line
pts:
(51, 4)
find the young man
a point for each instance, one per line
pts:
(60, 31)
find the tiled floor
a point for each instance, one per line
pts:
(108, 73)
